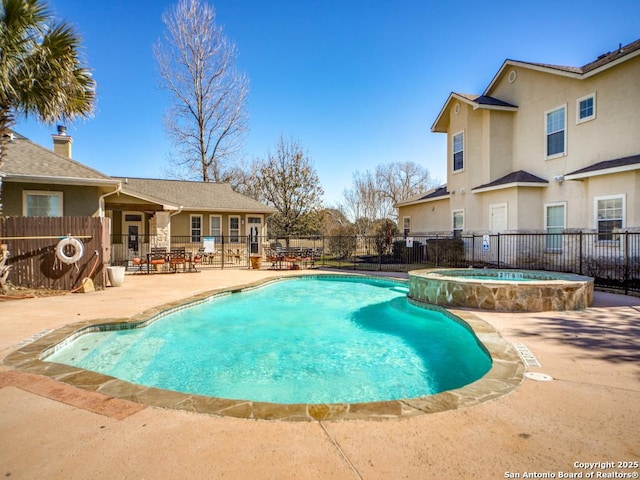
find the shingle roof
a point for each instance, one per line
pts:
(604, 61)
(477, 101)
(485, 100)
(597, 63)
(27, 159)
(432, 194)
(440, 191)
(616, 163)
(192, 195)
(514, 177)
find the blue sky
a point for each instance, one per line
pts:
(357, 82)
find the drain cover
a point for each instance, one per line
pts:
(527, 357)
(539, 377)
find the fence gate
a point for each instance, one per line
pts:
(32, 241)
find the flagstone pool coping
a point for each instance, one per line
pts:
(506, 373)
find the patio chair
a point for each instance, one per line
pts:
(157, 257)
(139, 263)
(235, 255)
(275, 259)
(178, 256)
(196, 259)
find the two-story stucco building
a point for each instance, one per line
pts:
(544, 148)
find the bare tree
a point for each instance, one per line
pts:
(334, 221)
(364, 202)
(207, 118)
(373, 195)
(244, 179)
(287, 181)
(401, 180)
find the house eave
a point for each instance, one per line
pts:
(229, 210)
(504, 108)
(87, 182)
(510, 185)
(150, 199)
(556, 71)
(605, 171)
(424, 200)
(611, 64)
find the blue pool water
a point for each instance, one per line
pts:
(306, 340)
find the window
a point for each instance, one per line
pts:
(196, 228)
(609, 216)
(215, 225)
(556, 132)
(458, 152)
(234, 229)
(458, 222)
(41, 204)
(555, 219)
(586, 108)
(406, 225)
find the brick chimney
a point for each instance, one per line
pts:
(62, 142)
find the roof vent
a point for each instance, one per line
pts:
(62, 130)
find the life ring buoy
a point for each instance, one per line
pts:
(78, 250)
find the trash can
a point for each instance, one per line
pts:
(256, 261)
(116, 276)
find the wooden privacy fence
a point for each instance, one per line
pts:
(32, 241)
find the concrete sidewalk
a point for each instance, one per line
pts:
(590, 412)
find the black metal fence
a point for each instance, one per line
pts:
(614, 262)
(211, 252)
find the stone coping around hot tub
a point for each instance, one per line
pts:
(453, 288)
(506, 373)
(533, 276)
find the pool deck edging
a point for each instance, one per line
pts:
(506, 373)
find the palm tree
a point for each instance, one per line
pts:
(41, 72)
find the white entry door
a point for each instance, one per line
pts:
(133, 228)
(498, 221)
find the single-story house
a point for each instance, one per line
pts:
(145, 212)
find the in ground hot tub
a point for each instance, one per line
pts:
(501, 290)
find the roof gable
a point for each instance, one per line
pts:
(475, 101)
(28, 161)
(519, 178)
(603, 62)
(486, 101)
(190, 195)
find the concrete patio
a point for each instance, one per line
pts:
(589, 413)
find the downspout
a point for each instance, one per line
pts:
(177, 211)
(102, 197)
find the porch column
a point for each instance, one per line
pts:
(161, 226)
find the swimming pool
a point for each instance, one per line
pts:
(306, 340)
